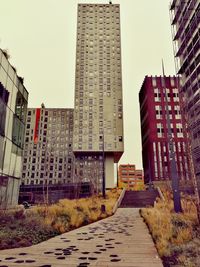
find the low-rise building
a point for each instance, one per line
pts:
(130, 178)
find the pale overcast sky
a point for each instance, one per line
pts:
(40, 36)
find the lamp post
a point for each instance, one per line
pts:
(103, 174)
(173, 169)
(101, 137)
(150, 177)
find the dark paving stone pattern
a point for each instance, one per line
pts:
(121, 240)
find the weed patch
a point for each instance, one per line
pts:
(176, 235)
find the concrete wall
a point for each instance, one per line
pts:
(109, 171)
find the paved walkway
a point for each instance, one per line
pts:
(122, 240)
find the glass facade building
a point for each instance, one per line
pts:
(185, 21)
(13, 108)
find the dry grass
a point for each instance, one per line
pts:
(69, 214)
(170, 230)
(42, 222)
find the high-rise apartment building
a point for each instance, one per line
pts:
(185, 20)
(98, 114)
(154, 129)
(13, 107)
(48, 156)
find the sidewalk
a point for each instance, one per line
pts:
(122, 240)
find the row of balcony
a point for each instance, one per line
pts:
(184, 45)
(194, 101)
(191, 80)
(193, 56)
(183, 11)
(178, 7)
(192, 26)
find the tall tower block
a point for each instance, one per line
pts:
(98, 114)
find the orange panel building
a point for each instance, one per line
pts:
(130, 178)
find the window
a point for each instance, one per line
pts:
(172, 81)
(158, 112)
(18, 131)
(20, 107)
(175, 95)
(120, 138)
(154, 82)
(160, 130)
(157, 95)
(29, 119)
(177, 112)
(179, 130)
(4, 94)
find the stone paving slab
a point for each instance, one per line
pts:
(121, 240)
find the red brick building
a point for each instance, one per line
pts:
(155, 145)
(129, 177)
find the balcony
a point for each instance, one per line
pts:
(178, 12)
(185, 42)
(190, 28)
(191, 80)
(190, 55)
(187, 13)
(173, 4)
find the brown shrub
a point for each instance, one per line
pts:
(168, 228)
(42, 222)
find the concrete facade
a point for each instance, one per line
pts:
(13, 107)
(48, 156)
(154, 129)
(186, 36)
(98, 113)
